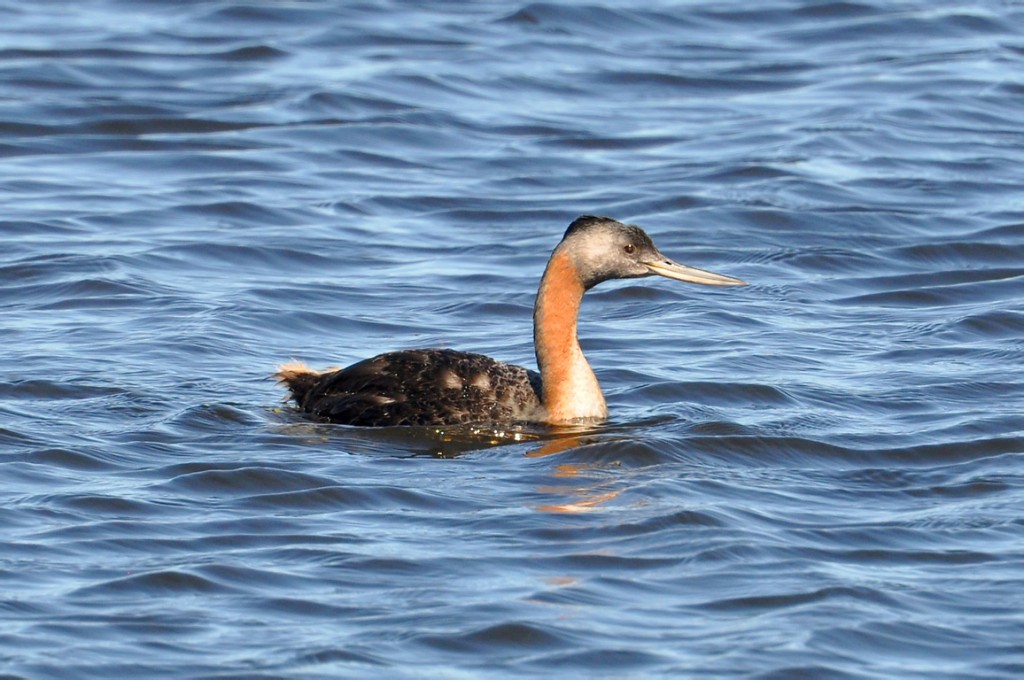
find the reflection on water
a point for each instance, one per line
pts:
(582, 495)
(584, 499)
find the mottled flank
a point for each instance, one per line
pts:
(418, 387)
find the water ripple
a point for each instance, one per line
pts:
(813, 476)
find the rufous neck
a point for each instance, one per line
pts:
(571, 391)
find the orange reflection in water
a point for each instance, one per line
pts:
(585, 498)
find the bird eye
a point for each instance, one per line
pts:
(630, 248)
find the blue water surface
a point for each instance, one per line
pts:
(816, 476)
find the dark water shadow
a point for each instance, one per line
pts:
(452, 441)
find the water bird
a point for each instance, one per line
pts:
(432, 387)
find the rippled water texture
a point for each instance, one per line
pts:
(815, 476)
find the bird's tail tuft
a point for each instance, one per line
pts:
(298, 377)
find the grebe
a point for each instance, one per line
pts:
(445, 387)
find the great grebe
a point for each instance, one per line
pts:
(445, 387)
